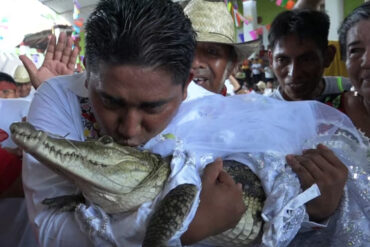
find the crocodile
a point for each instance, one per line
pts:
(120, 178)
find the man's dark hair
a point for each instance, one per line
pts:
(6, 77)
(358, 14)
(146, 33)
(305, 23)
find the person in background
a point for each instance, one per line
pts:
(354, 38)
(261, 86)
(246, 69)
(217, 51)
(8, 89)
(299, 54)
(25, 89)
(269, 74)
(257, 71)
(269, 88)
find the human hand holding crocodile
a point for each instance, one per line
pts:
(322, 167)
(221, 204)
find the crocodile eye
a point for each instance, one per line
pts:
(106, 140)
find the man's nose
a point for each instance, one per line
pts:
(293, 69)
(198, 62)
(365, 63)
(130, 123)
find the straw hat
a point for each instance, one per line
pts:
(21, 75)
(213, 23)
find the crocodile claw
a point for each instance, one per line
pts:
(64, 203)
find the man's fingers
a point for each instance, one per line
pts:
(72, 59)
(225, 178)
(310, 163)
(67, 51)
(304, 176)
(50, 49)
(330, 156)
(29, 65)
(60, 46)
(212, 171)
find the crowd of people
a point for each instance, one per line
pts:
(146, 63)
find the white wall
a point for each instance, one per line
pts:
(335, 11)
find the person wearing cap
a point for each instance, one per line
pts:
(217, 51)
(8, 87)
(261, 85)
(23, 82)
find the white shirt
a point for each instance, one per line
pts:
(256, 68)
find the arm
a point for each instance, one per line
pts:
(320, 166)
(60, 59)
(234, 82)
(307, 4)
(221, 205)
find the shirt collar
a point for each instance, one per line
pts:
(77, 85)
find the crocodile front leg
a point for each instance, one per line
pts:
(64, 203)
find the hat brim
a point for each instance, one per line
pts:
(242, 50)
(22, 81)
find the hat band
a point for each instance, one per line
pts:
(214, 37)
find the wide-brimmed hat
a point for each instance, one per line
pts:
(21, 75)
(213, 23)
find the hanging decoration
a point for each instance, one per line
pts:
(77, 25)
(240, 19)
(77, 21)
(288, 4)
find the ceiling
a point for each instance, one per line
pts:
(65, 7)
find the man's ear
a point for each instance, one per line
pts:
(186, 85)
(329, 55)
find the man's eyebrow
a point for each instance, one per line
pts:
(154, 104)
(116, 100)
(280, 54)
(356, 42)
(148, 104)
